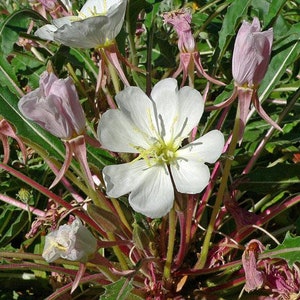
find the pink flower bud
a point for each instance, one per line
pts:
(55, 106)
(251, 54)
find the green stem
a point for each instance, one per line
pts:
(118, 252)
(171, 241)
(121, 214)
(204, 251)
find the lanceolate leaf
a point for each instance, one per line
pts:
(289, 250)
(13, 25)
(277, 67)
(236, 11)
(8, 77)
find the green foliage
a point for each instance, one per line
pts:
(119, 290)
(287, 250)
(13, 25)
(140, 245)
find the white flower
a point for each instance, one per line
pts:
(154, 129)
(73, 242)
(97, 24)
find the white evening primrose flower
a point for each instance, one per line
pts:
(73, 242)
(97, 24)
(154, 128)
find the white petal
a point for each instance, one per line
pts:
(154, 196)
(190, 176)
(122, 179)
(165, 97)
(46, 32)
(207, 148)
(99, 7)
(190, 107)
(117, 133)
(87, 33)
(136, 105)
(150, 188)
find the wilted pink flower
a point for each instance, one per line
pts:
(254, 277)
(55, 106)
(181, 20)
(189, 56)
(282, 281)
(251, 54)
(73, 242)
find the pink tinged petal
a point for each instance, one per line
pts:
(165, 97)
(251, 53)
(46, 112)
(117, 133)
(55, 106)
(190, 108)
(71, 107)
(263, 43)
(207, 148)
(190, 176)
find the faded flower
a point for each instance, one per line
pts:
(73, 242)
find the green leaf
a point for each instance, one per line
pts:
(119, 290)
(28, 67)
(289, 250)
(15, 220)
(232, 19)
(272, 179)
(8, 78)
(13, 25)
(277, 68)
(274, 10)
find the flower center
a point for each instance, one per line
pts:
(159, 153)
